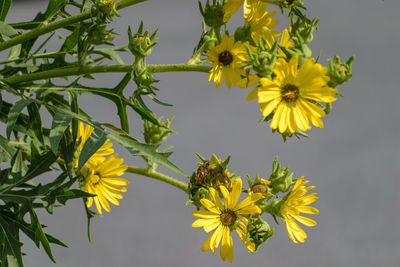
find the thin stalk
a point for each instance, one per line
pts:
(40, 30)
(158, 176)
(81, 70)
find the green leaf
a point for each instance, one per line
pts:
(60, 123)
(149, 151)
(53, 7)
(10, 32)
(9, 237)
(4, 7)
(14, 114)
(71, 41)
(18, 166)
(67, 150)
(6, 151)
(42, 165)
(94, 142)
(35, 120)
(39, 234)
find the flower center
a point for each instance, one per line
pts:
(228, 218)
(95, 179)
(290, 92)
(259, 188)
(225, 58)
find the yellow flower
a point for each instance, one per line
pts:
(227, 61)
(292, 95)
(226, 217)
(84, 134)
(250, 8)
(100, 180)
(285, 41)
(297, 202)
(261, 22)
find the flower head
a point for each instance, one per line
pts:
(227, 61)
(84, 134)
(226, 217)
(100, 180)
(260, 22)
(293, 94)
(295, 204)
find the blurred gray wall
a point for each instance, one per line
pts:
(354, 161)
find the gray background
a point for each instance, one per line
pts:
(353, 161)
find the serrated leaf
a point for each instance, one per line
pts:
(6, 151)
(60, 123)
(40, 235)
(149, 151)
(71, 41)
(10, 242)
(4, 8)
(94, 142)
(14, 113)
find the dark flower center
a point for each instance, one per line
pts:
(225, 58)
(95, 178)
(290, 92)
(228, 218)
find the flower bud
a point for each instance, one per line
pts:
(258, 231)
(213, 173)
(213, 14)
(281, 180)
(263, 59)
(107, 7)
(141, 44)
(100, 35)
(339, 72)
(155, 134)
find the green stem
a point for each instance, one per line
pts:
(159, 176)
(81, 70)
(40, 30)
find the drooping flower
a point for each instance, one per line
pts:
(260, 22)
(285, 41)
(227, 61)
(83, 135)
(295, 204)
(226, 217)
(293, 95)
(101, 180)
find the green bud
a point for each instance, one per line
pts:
(260, 185)
(197, 192)
(213, 14)
(305, 28)
(100, 35)
(141, 44)
(107, 7)
(339, 72)
(258, 231)
(154, 134)
(281, 180)
(263, 59)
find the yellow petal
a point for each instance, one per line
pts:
(205, 214)
(235, 194)
(216, 198)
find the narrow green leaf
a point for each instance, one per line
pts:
(4, 7)
(71, 41)
(9, 235)
(14, 114)
(35, 120)
(94, 142)
(67, 150)
(53, 7)
(39, 234)
(60, 123)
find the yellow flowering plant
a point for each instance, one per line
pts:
(293, 90)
